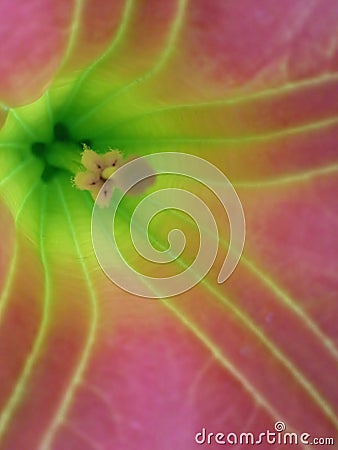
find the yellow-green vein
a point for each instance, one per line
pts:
(15, 397)
(80, 435)
(290, 303)
(64, 405)
(107, 53)
(291, 131)
(161, 61)
(331, 169)
(78, 7)
(275, 92)
(28, 130)
(12, 144)
(12, 268)
(49, 109)
(16, 170)
(218, 355)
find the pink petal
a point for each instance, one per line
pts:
(33, 36)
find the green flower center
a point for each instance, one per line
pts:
(41, 146)
(40, 154)
(61, 154)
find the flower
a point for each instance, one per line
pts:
(99, 169)
(251, 87)
(99, 174)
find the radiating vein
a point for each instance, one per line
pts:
(198, 377)
(219, 356)
(28, 130)
(49, 109)
(26, 162)
(107, 53)
(250, 420)
(83, 436)
(78, 7)
(306, 176)
(269, 93)
(290, 303)
(95, 391)
(140, 142)
(3, 106)
(4, 296)
(287, 87)
(73, 384)
(161, 61)
(31, 359)
(12, 144)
